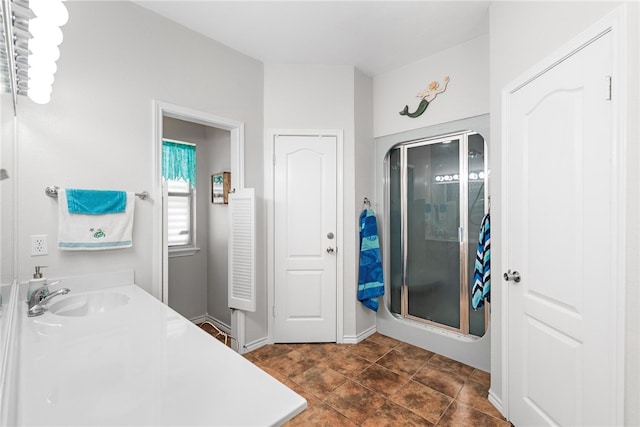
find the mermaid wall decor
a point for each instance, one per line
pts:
(427, 95)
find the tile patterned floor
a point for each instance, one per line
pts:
(379, 382)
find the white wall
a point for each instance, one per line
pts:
(188, 274)
(464, 105)
(323, 97)
(521, 34)
(467, 94)
(364, 181)
(218, 234)
(97, 130)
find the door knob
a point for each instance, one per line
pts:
(330, 250)
(510, 276)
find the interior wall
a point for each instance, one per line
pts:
(188, 274)
(364, 180)
(522, 34)
(219, 160)
(322, 97)
(467, 94)
(463, 106)
(97, 130)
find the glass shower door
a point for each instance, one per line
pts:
(433, 221)
(436, 198)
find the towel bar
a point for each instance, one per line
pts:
(52, 191)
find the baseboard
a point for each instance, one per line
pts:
(207, 318)
(496, 401)
(254, 345)
(355, 339)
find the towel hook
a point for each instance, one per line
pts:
(366, 203)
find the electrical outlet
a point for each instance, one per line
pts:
(39, 245)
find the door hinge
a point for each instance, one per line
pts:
(273, 311)
(608, 88)
(274, 158)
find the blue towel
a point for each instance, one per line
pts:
(370, 280)
(482, 274)
(95, 202)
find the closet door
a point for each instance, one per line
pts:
(562, 237)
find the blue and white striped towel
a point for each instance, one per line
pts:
(370, 279)
(482, 274)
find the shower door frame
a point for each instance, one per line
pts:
(463, 241)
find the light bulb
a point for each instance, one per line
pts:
(41, 28)
(39, 65)
(51, 10)
(43, 49)
(40, 79)
(40, 94)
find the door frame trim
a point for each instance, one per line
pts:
(269, 190)
(160, 285)
(614, 23)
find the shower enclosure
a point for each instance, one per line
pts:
(437, 196)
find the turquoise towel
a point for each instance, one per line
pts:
(370, 279)
(95, 202)
(482, 275)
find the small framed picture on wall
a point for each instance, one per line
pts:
(220, 186)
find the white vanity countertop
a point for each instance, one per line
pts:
(139, 364)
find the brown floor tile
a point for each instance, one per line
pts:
(422, 400)
(370, 350)
(401, 363)
(481, 377)
(392, 415)
(250, 357)
(443, 381)
(320, 415)
(309, 397)
(320, 381)
(289, 364)
(354, 401)
(323, 349)
(269, 351)
(381, 380)
(460, 414)
(414, 351)
(384, 340)
(444, 363)
(475, 394)
(348, 363)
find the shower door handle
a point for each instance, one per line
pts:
(510, 276)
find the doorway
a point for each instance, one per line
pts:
(175, 122)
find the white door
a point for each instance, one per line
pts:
(561, 238)
(305, 236)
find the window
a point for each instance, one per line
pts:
(179, 174)
(179, 213)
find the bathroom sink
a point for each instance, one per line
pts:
(88, 304)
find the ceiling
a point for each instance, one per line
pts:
(373, 36)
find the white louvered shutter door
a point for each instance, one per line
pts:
(242, 250)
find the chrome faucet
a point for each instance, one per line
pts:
(40, 298)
